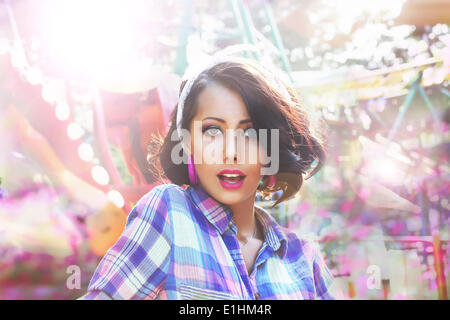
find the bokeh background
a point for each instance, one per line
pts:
(84, 84)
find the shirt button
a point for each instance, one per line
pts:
(257, 296)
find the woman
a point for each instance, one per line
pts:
(209, 240)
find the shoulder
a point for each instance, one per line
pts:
(165, 192)
(299, 245)
(295, 247)
(166, 187)
(301, 250)
(158, 201)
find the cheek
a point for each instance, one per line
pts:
(206, 145)
(254, 174)
(254, 165)
(213, 144)
(248, 151)
(204, 171)
(255, 152)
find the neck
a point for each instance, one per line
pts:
(244, 217)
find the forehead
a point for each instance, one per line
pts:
(218, 101)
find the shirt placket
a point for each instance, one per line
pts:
(235, 251)
(264, 253)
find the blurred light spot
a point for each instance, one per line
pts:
(100, 175)
(384, 170)
(34, 76)
(74, 131)
(48, 94)
(62, 111)
(85, 152)
(116, 198)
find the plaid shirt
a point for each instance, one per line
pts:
(181, 244)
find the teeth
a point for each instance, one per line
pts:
(229, 175)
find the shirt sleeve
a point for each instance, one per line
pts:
(323, 279)
(136, 266)
(95, 295)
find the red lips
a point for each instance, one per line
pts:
(228, 171)
(231, 183)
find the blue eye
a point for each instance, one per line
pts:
(250, 133)
(212, 131)
(215, 131)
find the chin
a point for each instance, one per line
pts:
(231, 197)
(230, 200)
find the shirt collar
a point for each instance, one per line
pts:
(220, 216)
(274, 234)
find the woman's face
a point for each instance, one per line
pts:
(221, 109)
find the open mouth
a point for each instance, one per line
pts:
(231, 178)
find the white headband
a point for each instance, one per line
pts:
(219, 57)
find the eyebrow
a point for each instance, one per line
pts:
(223, 121)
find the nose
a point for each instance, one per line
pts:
(230, 146)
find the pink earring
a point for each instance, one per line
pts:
(193, 177)
(272, 181)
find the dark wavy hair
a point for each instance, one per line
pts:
(268, 109)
